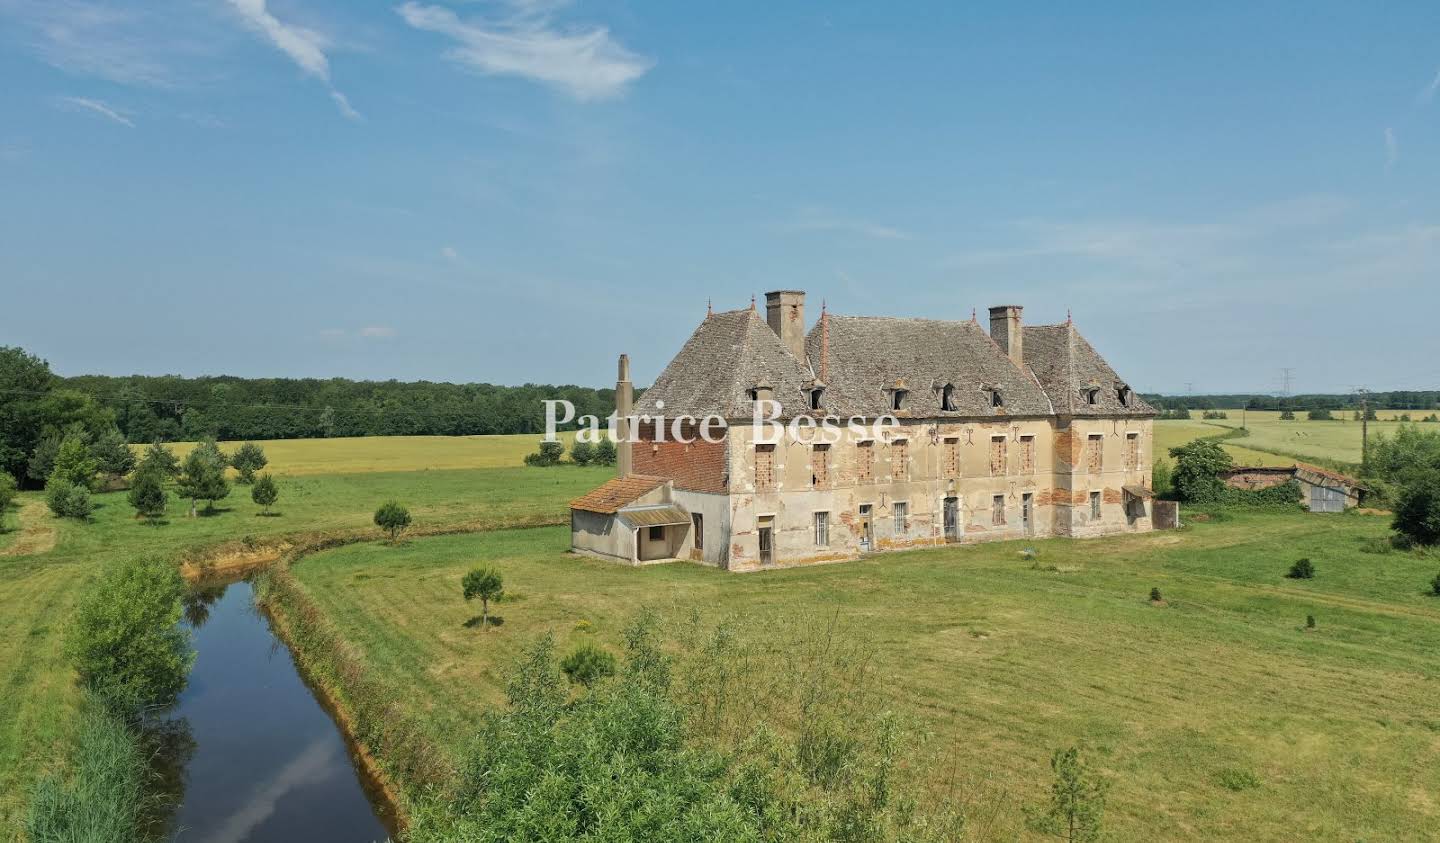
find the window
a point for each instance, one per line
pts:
(900, 459)
(764, 467)
(1132, 451)
(997, 456)
(657, 534)
(1027, 455)
(1027, 509)
(1122, 392)
(697, 524)
(820, 466)
(947, 397)
(1095, 453)
(865, 454)
(897, 398)
(766, 537)
(996, 399)
(997, 510)
(867, 526)
(902, 514)
(761, 392)
(816, 395)
(822, 528)
(1092, 395)
(952, 456)
(1095, 505)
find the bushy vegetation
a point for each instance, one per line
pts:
(147, 495)
(1237, 780)
(605, 452)
(248, 459)
(104, 799)
(265, 493)
(7, 496)
(485, 584)
(582, 453)
(124, 639)
(73, 463)
(202, 476)
(68, 500)
(549, 454)
(1076, 808)
(1287, 415)
(588, 663)
(1155, 596)
(1198, 466)
(1303, 569)
(1221, 414)
(393, 519)
(1417, 508)
(649, 755)
(1319, 414)
(159, 460)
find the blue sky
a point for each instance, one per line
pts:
(518, 191)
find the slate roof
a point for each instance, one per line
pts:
(869, 355)
(729, 354)
(1068, 367)
(616, 493)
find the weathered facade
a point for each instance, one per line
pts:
(1021, 431)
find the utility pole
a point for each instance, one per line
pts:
(1364, 429)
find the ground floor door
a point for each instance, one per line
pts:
(1325, 499)
(767, 540)
(867, 527)
(1027, 512)
(952, 519)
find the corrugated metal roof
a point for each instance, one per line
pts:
(654, 516)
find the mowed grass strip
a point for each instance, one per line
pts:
(364, 454)
(1004, 662)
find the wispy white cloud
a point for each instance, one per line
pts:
(97, 107)
(1392, 148)
(584, 62)
(94, 39)
(1428, 95)
(304, 46)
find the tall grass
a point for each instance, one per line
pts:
(104, 798)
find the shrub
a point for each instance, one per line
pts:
(68, 500)
(1302, 570)
(112, 455)
(202, 475)
(393, 519)
(549, 454)
(486, 584)
(74, 464)
(147, 495)
(1417, 508)
(125, 641)
(1319, 415)
(1238, 780)
(1077, 800)
(1155, 595)
(1162, 477)
(588, 664)
(160, 460)
(265, 493)
(104, 799)
(1435, 586)
(582, 453)
(605, 453)
(1197, 470)
(7, 496)
(1309, 621)
(1287, 415)
(1221, 414)
(248, 459)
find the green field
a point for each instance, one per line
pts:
(38, 589)
(1169, 434)
(1004, 662)
(1338, 440)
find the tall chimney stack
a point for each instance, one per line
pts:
(624, 407)
(1006, 331)
(785, 313)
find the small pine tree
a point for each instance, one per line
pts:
(605, 453)
(1309, 621)
(147, 495)
(248, 459)
(1287, 415)
(582, 453)
(1155, 595)
(588, 664)
(486, 584)
(393, 519)
(112, 455)
(265, 493)
(202, 476)
(161, 460)
(68, 500)
(1303, 569)
(1077, 800)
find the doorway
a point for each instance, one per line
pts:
(867, 527)
(952, 519)
(767, 540)
(1027, 511)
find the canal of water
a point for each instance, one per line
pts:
(254, 754)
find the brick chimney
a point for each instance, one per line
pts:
(1005, 330)
(624, 407)
(785, 313)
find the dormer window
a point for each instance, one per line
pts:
(1122, 392)
(947, 397)
(897, 398)
(996, 399)
(817, 394)
(761, 392)
(1092, 395)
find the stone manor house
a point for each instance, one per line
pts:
(1021, 431)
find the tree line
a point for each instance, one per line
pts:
(1393, 400)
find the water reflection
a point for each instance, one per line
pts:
(257, 757)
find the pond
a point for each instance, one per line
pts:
(255, 754)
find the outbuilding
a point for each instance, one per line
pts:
(1321, 490)
(632, 519)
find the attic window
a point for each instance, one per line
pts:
(996, 399)
(760, 393)
(816, 395)
(1122, 392)
(897, 398)
(1092, 395)
(947, 397)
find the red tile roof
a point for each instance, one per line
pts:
(617, 493)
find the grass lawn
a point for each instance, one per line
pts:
(1328, 440)
(361, 454)
(39, 587)
(1004, 662)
